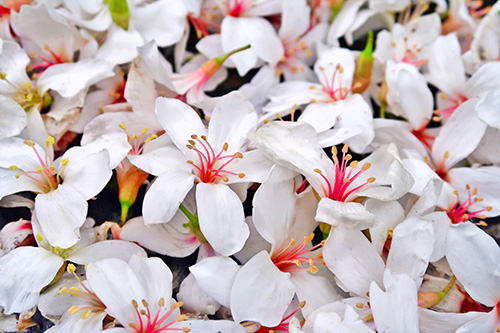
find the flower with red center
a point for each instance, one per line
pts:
(462, 212)
(209, 159)
(381, 175)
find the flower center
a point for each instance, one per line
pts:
(294, 50)
(238, 7)
(462, 212)
(441, 169)
(292, 256)
(336, 90)
(410, 55)
(423, 137)
(138, 142)
(147, 324)
(85, 293)
(211, 166)
(46, 175)
(283, 326)
(447, 112)
(345, 175)
(46, 63)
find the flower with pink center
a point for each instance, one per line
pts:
(380, 176)
(209, 158)
(62, 186)
(462, 212)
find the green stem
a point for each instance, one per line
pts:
(220, 60)
(446, 290)
(382, 110)
(188, 214)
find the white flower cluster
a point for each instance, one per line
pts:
(382, 233)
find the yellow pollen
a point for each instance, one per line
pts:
(455, 192)
(161, 302)
(85, 314)
(225, 146)
(62, 290)
(302, 304)
(132, 325)
(241, 175)
(321, 68)
(151, 137)
(238, 155)
(345, 148)
(309, 53)
(186, 330)
(3, 76)
(189, 162)
(322, 243)
(29, 143)
(474, 192)
(40, 169)
(426, 159)
(28, 85)
(489, 208)
(368, 317)
(145, 303)
(311, 262)
(498, 328)
(74, 309)
(297, 262)
(312, 101)
(144, 130)
(320, 256)
(64, 161)
(317, 171)
(18, 175)
(313, 269)
(348, 157)
(295, 69)
(312, 87)
(482, 223)
(360, 305)
(143, 312)
(354, 164)
(446, 154)
(122, 126)
(71, 268)
(467, 187)
(370, 180)
(50, 141)
(13, 167)
(134, 303)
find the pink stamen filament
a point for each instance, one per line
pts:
(460, 212)
(282, 326)
(286, 260)
(238, 8)
(47, 63)
(207, 169)
(153, 326)
(330, 86)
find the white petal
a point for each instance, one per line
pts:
(357, 116)
(116, 285)
(274, 206)
(85, 171)
(219, 208)
(484, 79)
(294, 19)
(431, 321)
(179, 121)
(155, 275)
(487, 108)
(352, 215)
(388, 215)
(271, 292)
(219, 326)
(155, 64)
(162, 238)
(233, 36)
(23, 274)
(196, 300)
(473, 256)
(161, 160)
(61, 213)
(215, 276)
(232, 118)
(411, 248)
(396, 309)
(441, 223)
(12, 118)
(263, 38)
(487, 322)
(71, 78)
(163, 198)
(254, 164)
(13, 60)
(322, 116)
(353, 259)
(464, 121)
(106, 249)
(10, 184)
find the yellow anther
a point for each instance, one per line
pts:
(74, 309)
(311, 262)
(455, 192)
(238, 155)
(151, 137)
(135, 137)
(292, 242)
(186, 330)
(345, 148)
(191, 142)
(313, 269)
(302, 304)
(143, 312)
(446, 154)
(86, 265)
(189, 146)
(312, 101)
(74, 289)
(348, 157)
(489, 208)
(370, 180)
(295, 69)
(474, 192)
(366, 166)
(354, 164)
(320, 256)
(241, 175)
(321, 68)
(123, 126)
(334, 151)
(294, 108)
(225, 179)
(46, 47)
(317, 171)
(39, 237)
(71, 268)
(161, 302)
(309, 53)
(176, 305)
(132, 325)
(13, 167)
(134, 303)
(312, 87)
(204, 137)
(225, 146)
(62, 290)
(29, 143)
(52, 167)
(322, 243)
(189, 162)
(3, 76)
(64, 161)
(467, 187)
(40, 169)
(145, 303)
(144, 130)
(297, 262)
(85, 314)
(18, 175)
(368, 317)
